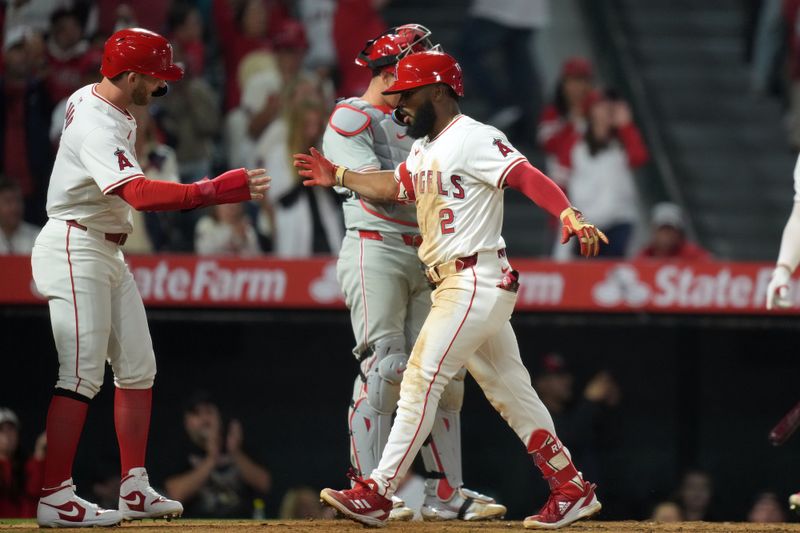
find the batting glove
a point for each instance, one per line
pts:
(778, 288)
(319, 170)
(588, 235)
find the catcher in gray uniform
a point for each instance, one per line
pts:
(387, 292)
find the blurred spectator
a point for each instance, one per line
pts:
(20, 481)
(317, 19)
(581, 421)
(118, 14)
(34, 14)
(504, 29)
(215, 477)
(185, 27)
(602, 164)
(189, 116)
(768, 38)
(767, 508)
(564, 120)
(307, 220)
(668, 236)
(694, 495)
(668, 511)
(243, 27)
(303, 503)
(89, 73)
(226, 231)
(16, 236)
(25, 152)
(159, 230)
(66, 53)
(354, 23)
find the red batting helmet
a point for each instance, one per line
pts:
(390, 46)
(142, 51)
(427, 68)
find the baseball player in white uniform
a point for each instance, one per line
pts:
(455, 173)
(778, 296)
(387, 292)
(95, 308)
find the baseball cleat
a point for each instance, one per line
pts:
(138, 500)
(464, 504)
(563, 509)
(362, 503)
(399, 512)
(61, 507)
(794, 502)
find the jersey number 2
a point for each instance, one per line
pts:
(446, 221)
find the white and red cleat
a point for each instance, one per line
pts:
(463, 504)
(138, 500)
(563, 509)
(61, 507)
(362, 503)
(400, 511)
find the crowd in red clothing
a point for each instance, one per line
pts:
(20, 478)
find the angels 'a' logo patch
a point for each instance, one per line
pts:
(122, 159)
(504, 150)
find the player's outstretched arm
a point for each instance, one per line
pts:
(527, 179)
(233, 186)
(788, 259)
(378, 185)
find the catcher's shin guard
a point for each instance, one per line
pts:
(441, 453)
(375, 397)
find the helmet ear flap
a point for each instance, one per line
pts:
(161, 91)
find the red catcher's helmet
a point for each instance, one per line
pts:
(392, 45)
(141, 51)
(427, 68)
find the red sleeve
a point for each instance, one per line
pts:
(634, 145)
(150, 195)
(528, 180)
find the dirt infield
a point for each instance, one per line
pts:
(345, 526)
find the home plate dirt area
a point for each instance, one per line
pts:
(346, 526)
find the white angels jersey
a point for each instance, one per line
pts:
(457, 180)
(95, 156)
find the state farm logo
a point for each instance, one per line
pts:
(682, 287)
(325, 289)
(622, 285)
(208, 280)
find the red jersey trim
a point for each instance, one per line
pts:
(459, 117)
(123, 111)
(405, 178)
(502, 181)
(384, 217)
(340, 131)
(124, 180)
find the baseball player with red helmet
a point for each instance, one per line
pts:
(386, 290)
(95, 308)
(455, 174)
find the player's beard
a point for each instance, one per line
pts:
(423, 122)
(141, 96)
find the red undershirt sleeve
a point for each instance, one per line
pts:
(528, 180)
(150, 195)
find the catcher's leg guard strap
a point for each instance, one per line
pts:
(552, 458)
(441, 452)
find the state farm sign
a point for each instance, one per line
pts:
(578, 286)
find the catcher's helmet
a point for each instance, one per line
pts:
(427, 68)
(392, 45)
(142, 51)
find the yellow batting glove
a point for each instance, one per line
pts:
(588, 235)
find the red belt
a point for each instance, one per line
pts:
(439, 272)
(117, 238)
(409, 239)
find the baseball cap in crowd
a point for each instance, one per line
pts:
(577, 67)
(667, 214)
(196, 399)
(291, 35)
(8, 416)
(552, 363)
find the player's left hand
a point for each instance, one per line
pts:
(588, 235)
(316, 168)
(778, 288)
